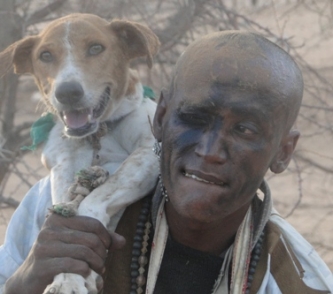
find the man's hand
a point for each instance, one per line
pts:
(64, 245)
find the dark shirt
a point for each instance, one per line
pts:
(187, 271)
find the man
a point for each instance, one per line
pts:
(226, 119)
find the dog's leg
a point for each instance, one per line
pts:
(86, 181)
(72, 284)
(135, 178)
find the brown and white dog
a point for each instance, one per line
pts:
(81, 65)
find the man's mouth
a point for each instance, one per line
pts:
(200, 179)
(81, 122)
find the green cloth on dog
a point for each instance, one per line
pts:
(148, 93)
(40, 130)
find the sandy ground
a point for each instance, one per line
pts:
(313, 217)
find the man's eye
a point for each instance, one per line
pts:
(95, 49)
(246, 130)
(46, 56)
(194, 119)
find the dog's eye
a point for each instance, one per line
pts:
(95, 49)
(46, 56)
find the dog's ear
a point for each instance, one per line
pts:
(138, 39)
(18, 55)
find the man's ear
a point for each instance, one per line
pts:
(158, 118)
(284, 153)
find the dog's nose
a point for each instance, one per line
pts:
(69, 92)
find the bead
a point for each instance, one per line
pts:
(250, 278)
(135, 258)
(141, 280)
(143, 260)
(253, 263)
(144, 244)
(134, 266)
(139, 291)
(138, 238)
(139, 231)
(142, 218)
(134, 286)
(137, 245)
(133, 292)
(136, 252)
(134, 274)
(145, 211)
(257, 251)
(140, 225)
(255, 257)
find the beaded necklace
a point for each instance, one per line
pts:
(140, 249)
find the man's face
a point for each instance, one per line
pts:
(219, 138)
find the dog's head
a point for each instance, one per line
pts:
(81, 65)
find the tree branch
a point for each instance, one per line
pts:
(40, 14)
(9, 201)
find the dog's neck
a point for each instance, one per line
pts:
(131, 101)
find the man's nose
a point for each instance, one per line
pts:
(212, 147)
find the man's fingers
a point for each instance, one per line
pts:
(74, 237)
(117, 241)
(80, 223)
(67, 252)
(79, 238)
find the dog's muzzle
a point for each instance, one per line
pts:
(79, 122)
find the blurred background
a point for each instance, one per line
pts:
(303, 194)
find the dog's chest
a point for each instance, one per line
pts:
(70, 153)
(110, 155)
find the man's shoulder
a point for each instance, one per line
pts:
(293, 262)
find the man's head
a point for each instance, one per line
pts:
(225, 121)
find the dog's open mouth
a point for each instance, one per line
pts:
(79, 123)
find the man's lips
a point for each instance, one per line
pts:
(202, 177)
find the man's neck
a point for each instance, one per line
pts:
(213, 238)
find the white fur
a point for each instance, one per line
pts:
(126, 153)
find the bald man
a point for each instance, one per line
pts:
(226, 119)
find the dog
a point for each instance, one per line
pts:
(80, 63)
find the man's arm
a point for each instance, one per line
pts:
(36, 248)
(64, 245)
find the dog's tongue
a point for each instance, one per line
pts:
(76, 119)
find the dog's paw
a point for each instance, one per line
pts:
(92, 177)
(76, 189)
(101, 175)
(65, 209)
